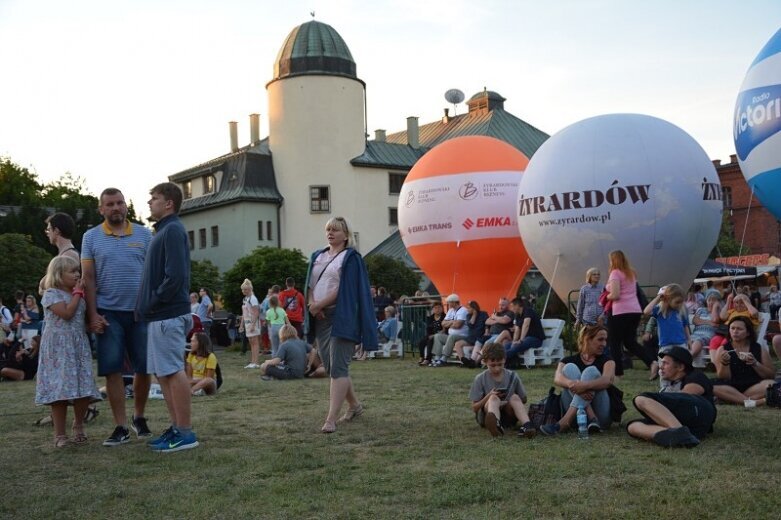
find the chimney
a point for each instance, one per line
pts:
(234, 132)
(413, 132)
(254, 128)
(716, 162)
(447, 116)
(733, 158)
(379, 135)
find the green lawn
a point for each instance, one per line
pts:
(415, 453)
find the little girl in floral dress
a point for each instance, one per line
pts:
(65, 361)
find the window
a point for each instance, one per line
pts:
(191, 239)
(202, 238)
(208, 184)
(393, 216)
(187, 190)
(319, 199)
(260, 230)
(395, 180)
(268, 230)
(726, 196)
(215, 236)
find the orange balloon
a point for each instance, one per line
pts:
(458, 218)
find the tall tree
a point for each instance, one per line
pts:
(392, 274)
(22, 267)
(727, 244)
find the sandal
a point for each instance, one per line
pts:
(351, 413)
(92, 414)
(79, 437)
(328, 427)
(61, 441)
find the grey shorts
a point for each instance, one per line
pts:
(336, 353)
(166, 342)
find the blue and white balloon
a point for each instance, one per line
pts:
(757, 126)
(619, 181)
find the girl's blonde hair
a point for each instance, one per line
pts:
(287, 332)
(58, 266)
(618, 260)
(246, 284)
(341, 224)
(671, 292)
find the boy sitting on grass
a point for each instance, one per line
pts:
(498, 396)
(290, 359)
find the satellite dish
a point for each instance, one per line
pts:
(454, 96)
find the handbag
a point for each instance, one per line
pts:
(617, 406)
(773, 395)
(547, 411)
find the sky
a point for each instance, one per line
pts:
(124, 93)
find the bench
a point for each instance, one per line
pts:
(552, 349)
(389, 346)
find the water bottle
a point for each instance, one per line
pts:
(582, 423)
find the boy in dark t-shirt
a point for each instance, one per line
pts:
(498, 396)
(683, 412)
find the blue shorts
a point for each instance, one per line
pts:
(166, 343)
(123, 338)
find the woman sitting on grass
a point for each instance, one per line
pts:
(201, 365)
(743, 367)
(22, 363)
(584, 379)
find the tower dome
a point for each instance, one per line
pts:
(314, 48)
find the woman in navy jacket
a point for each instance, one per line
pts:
(341, 315)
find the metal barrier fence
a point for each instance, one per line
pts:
(413, 314)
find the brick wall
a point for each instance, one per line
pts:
(763, 230)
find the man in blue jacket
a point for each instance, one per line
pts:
(164, 303)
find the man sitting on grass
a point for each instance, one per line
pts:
(498, 396)
(290, 361)
(683, 412)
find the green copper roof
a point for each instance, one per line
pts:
(314, 48)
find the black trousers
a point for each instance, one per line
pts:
(622, 331)
(425, 346)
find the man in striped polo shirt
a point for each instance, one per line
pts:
(112, 266)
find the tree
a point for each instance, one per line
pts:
(203, 273)
(392, 274)
(22, 267)
(264, 267)
(727, 244)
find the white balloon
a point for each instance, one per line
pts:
(619, 181)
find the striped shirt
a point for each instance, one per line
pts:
(118, 262)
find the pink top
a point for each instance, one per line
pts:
(627, 301)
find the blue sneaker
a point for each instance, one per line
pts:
(178, 442)
(164, 437)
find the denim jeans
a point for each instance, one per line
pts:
(601, 402)
(516, 349)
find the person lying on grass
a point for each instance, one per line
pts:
(201, 365)
(290, 360)
(498, 396)
(584, 379)
(683, 412)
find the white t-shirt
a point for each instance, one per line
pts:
(456, 315)
(331, 269)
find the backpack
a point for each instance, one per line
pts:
(547, 411)
(773, 395)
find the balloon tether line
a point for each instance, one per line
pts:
(550, 285)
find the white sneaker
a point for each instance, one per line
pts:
(251, 365)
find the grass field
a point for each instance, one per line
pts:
(415, 453)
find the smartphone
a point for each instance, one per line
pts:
(501, 391)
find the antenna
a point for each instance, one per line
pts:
(454, 96)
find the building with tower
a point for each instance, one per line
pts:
(317, 161)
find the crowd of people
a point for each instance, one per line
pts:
(128, 290)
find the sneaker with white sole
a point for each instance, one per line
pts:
(121, 435)
(252, 365)
(138, 425)
(178, 442)
(163, 438)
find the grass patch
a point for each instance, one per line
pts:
(416, 453)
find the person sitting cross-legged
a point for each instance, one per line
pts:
(683, 412)
(584, 379)
(291, 357)
(498, 397)
(201, 365)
